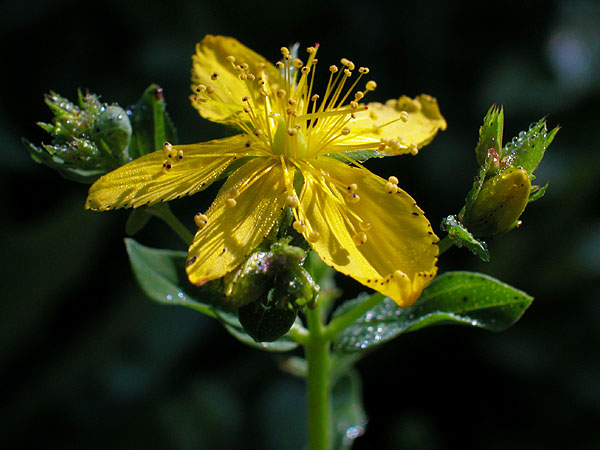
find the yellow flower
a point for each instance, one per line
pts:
(360, 224)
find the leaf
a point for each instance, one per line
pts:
(356, 155)
(349, 416)
(462, 237)
(527, 149)
(460, 298)
(161, 275)
(138, 218)
(490, 134)
(151, 123)
(537, 192)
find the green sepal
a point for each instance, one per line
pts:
(138, 218)
(349, 417)
(528, 148)
(537, 192)
(152, 126)
(460, 298)
(462, 237)
(490, 137)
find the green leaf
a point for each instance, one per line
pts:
(349, 415)
(151, 124)
(490, 135)
(356, 155)
(138, 218)
(460, 298)
(537, 192)
(232, 324)
(161, 275)
(461, 237)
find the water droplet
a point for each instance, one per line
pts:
(169, 297)
(181, 295)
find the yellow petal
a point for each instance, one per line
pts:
(143, 181)
(235, 228)
(397, 252)
(212, 70)
(412, 123)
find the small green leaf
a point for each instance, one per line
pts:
(161, 275)
(490, 135)
(461, 298)
(537, 192)
(350, 419)
(461, 237)
(152, 126)
(527, 149)
(232, 324)
(138, 218)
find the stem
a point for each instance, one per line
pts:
(162, 211)
(445, 244)
(318, 383)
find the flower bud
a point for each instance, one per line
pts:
(499, 204)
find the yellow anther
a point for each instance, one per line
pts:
(258, 132)
(353, 104)
(391, 188)
(299, 226)
(167, 147)
(230, 59)
(243, 76)
(247, 110)
(234, 193)
(305, 69)
(291, 101)
(371, 85)
(315, 97)
(251, 77)
(373, 116)
(345, 131)
(365, 226)
(311, 50)
(358, 95)
(313, 237)
(393, 179)
(297, 63)
(347, 73)
(263, 93)
(166, 166)
(291, 112)
(352, 188)
(360, 238)
(281, 93)
(244, 66)
(333, 68)
(354, 198)
(214, 76)
(200, 220)
(179, 154)
(413, 148)
(284, 51)
(349, 64)
(210, 89)
(404, 116)
(200, 88)
(292, 131)
(245, 98)
(280, 65)
(363, 70)
(231, 202)
(292, 201)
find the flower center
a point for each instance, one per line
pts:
(289, 141)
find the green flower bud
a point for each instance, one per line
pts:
(499, 204)
(267, 320)
(114, 129)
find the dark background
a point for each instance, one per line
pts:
(88, 362)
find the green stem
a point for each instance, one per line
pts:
(318, 383)
(445, 244)
(342, 322)
(162, 211)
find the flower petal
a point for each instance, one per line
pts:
(211, 69)
(411, 123)
(143, 181)
(399, 255)
(234, 229)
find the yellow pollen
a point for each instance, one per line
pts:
(243, 76)
(333, 68)
(166, 166)
(305, 69)
(210, 89)
(360, 238)
(413, 149)
(251, 77)
(393, 179)
(299, 227)
(246, 110)
(315, 97)
(200, 88)
(347, 73)
(292, 131)
(291, 101)
(297, 63)
(404, 116)
(230, 59)
(363, 70)
(281, 93)
(284, 51)
(180, 154)
(391, 188)
(167, 147)
(353, 104)
(200, 220)
(365, 226)
(244, 66)
(358, 95)
(234, 193)
(346, 131)
(313, 237)
(280, 65)
(292, 201)
(352, 188)
(311, 50)
(245, 98)
(214, 76)
(354, 198)
(230, 202)
(258, 132)
(371, 85)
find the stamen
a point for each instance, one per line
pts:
(360, 238)
(313, 237)
(230, 202)
(371, 85)
(292, 201)
(404, 116)
(365, 226)
(299, 226)
(200, 220)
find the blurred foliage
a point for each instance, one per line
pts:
(87, 365)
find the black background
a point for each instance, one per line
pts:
(88, 362)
